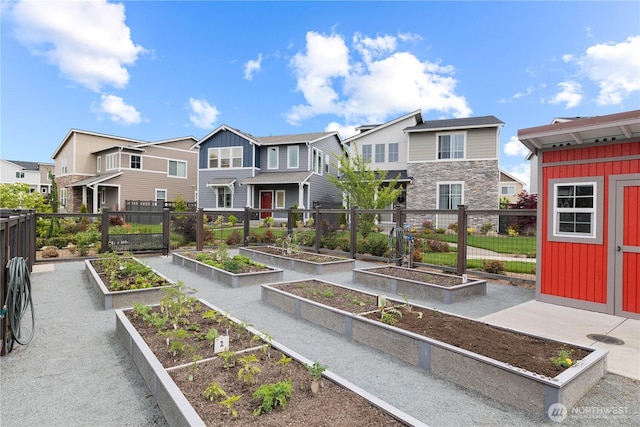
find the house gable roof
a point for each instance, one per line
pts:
(299, 138)
(452, 124)
(511, 177)
(127, 141)
(29, 166)
(369, 129)
(222, 128)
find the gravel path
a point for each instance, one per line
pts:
(75, 373)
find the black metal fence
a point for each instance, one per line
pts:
(499, 244)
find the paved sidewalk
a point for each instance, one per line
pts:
(75, 372)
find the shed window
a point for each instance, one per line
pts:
(575, 210)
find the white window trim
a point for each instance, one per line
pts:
(112, 161)
(63, 197)
(219, 151)
(99, 164)
(464, 146)
(397, 152)
(297, 164)
(371, 153)
(513, 187)
(165, 193)
(375, 153)
(223, 188)
(275, 201)
(131, 156)
(596, 235)
(63, 166)
(177, 162)
(318, 166)
(273, 151)
(439, 183)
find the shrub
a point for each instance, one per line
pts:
(49, 252)
(440, 230)
(486, 227)
(453, 226)
(471, 230)
(233, 220)
(417, 256)
(269, 221)
(493, 266)
(269, 237)
(234, 238)
(435, 245)
(116, 220)
(375, 247)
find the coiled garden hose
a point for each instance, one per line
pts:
(18, 301)
(396, 235)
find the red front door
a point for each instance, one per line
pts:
(627, 298)
(266, 202)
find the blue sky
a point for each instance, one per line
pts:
(160, 70)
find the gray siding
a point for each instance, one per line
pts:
(206, 194)
(227, 139)
(480, 144)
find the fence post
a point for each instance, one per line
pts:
(104, 241)
(245, 225)
(317, 223)
(200, 229)
(353, 235)
(290, 223)
(462, 239)
(399, 242)
(166, 230)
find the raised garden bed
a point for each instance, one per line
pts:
(506, 365)
(144, 285)
(304, 262)
(256, 275)
(178, 380)
(414, 283)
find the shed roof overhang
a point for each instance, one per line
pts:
(98, 179)
(589, 130)
(222, 182)
(271, 178)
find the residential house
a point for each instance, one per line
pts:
(33, 173)
(100, 170)
(510, 187)
(385, 146)
(454, 162)
(588, 197)
(237, 169)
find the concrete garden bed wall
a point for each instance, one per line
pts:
(178, 411)
(123, 299)
(331, 265)
(229, 279)
(522, 389)
(371, 278)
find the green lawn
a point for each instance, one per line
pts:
(450, 259)
(501, 244)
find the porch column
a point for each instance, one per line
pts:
(249, 193)
(95, 199)
(301, 196)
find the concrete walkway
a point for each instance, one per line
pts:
(75, 372)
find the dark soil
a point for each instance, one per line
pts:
(419, 275)
(240, 267)
(305, 256)
(127, 283)
(516, 349)
(332, 406)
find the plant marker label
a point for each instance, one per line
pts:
(464, 278)
(221, 344)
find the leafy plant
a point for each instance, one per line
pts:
(193, 368)
(273, 395)
(563, 359)
(228, 359)
(389, 315)
(315, 370)
(283, 361)
(211, 336)
(229, 402)
(493, 266)
(177, 340)
(249, 370)
(214, 391)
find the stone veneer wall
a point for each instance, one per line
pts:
(74, 198)
(480, 190)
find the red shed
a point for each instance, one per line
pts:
(588, 201)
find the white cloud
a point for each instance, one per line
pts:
(371, 82)
(252, 66)
(615, 68)
(203, 115)
(117, 110)
(570, 94)
(515, 148)
(345, 131)
(87, 40)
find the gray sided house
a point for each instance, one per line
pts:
(453, 162)
(238, 170)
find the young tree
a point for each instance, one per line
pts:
(363, 187)
(20, 196)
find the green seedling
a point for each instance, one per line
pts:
(273, 395)
(249, 370)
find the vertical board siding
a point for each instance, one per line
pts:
(577, 270)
